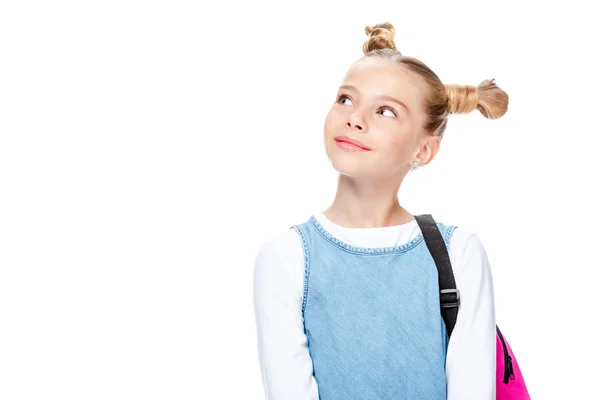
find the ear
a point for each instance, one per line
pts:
(427, 150)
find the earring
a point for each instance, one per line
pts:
(415, 163)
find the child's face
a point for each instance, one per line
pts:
(389, 129)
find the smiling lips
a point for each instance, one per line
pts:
(349, 144)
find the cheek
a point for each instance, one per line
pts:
(335, 119)
(330, 122)
(397, 149)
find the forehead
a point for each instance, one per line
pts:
(378, 76)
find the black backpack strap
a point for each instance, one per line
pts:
(449, 295)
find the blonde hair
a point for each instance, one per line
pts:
(442, 99)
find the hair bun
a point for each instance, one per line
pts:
(487, 97)
(381, 36)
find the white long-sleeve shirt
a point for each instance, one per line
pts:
(284, 358)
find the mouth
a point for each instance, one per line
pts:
(347, 143)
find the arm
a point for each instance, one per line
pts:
(285, 363)
(471, 357)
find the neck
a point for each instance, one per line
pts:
(361, 203)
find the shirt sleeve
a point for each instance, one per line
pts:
(471, 356)
(285, 363)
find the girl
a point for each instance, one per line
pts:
(347, 304)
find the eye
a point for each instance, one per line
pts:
(342, 97)
(388, 109)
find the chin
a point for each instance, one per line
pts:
(347, 165)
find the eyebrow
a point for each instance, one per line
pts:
(381, 96)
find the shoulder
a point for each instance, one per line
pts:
(279, 245)
(284, 245)
(467, 252)
(280, 258)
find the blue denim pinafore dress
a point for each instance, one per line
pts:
(372, 318)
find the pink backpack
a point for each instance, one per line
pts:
(509, 380)
(510, 384)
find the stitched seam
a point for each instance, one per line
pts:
(306, 267)
(364, 250)
(448, 234)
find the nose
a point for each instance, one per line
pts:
(356, 122)
(357, 126)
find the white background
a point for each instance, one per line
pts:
(147, 149)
